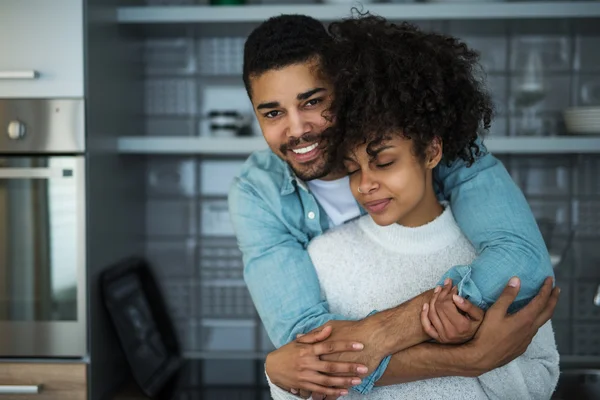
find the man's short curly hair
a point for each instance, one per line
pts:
(396, 79)
(282, 41)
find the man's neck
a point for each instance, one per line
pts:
(334, 175)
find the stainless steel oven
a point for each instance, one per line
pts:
(42, 229)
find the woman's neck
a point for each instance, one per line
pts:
(428, 209)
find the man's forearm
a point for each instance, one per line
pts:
(400, 327)
(426, 361)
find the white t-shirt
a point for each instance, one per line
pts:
(336, 199)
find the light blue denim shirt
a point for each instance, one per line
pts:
(275, 216)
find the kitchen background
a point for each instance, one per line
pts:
(536, 70)
(168, 125)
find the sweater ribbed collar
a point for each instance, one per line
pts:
(428, 238)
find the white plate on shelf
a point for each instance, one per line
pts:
(582, 120)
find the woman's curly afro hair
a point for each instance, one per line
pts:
(394, 79)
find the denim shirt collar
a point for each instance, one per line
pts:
(289, 178)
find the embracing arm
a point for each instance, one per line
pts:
(500, 339)
(494, 215)
(281, 278)
(533, 376)
(278, 271)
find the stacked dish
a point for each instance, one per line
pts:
(583, 120)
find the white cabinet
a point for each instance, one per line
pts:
(41, 49)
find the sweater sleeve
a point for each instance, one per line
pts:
(532, 376)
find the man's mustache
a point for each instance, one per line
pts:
(296, 141)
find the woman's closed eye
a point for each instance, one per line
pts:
(384, 165)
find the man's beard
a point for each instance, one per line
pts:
(314, 169)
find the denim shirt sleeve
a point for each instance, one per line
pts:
(280, 276)
(495, 217)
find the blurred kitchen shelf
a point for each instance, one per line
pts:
(245, 146)
(429, 11)
(225, 355)
(190, 145)
(544, 145)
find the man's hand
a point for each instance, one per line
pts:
(298, 365)
(501, 338)
(442, 318)
(361, 331)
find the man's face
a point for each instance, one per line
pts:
(290, 105)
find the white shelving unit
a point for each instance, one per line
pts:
(245, 146)
(418, 11)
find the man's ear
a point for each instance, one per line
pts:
(434, 153)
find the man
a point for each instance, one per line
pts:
(288, 195)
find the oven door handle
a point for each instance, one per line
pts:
(35, 173)
(26, 74)
(19, 389)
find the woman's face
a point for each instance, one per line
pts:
(392, 184)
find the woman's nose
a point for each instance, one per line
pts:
(367, 184)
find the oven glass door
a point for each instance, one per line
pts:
(42, 260)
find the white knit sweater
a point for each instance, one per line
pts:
(364, 267)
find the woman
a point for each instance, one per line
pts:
(405, 101)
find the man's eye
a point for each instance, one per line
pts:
(271, 114)
(313, 102)
(352, 172)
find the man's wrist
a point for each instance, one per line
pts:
(475, 358)
(400, 327)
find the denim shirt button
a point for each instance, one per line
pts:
(311, 215)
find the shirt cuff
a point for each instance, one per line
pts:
(461, 277)
(368, 383)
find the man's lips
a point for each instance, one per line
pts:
(311, 152)
(377, 206)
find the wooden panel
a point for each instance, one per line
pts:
(57, 381)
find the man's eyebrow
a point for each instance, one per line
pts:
(272, 104)
(306, 95)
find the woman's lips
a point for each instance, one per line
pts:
(377, 206)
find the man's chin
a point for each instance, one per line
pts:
(309, 172)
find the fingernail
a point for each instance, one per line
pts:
(458, 299)
(425, 307)
(343, 393)
(514, 282)
(362, 370)
(294, 391)
(447, 281)
(356, 381)
(358, 346)
(558, 290)
(437, 289)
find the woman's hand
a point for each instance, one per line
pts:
(449, 318)
(298, 366)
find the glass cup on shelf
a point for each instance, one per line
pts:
(529, 93)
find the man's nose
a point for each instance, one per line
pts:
(297, 125)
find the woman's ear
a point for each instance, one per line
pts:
(434, 153)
